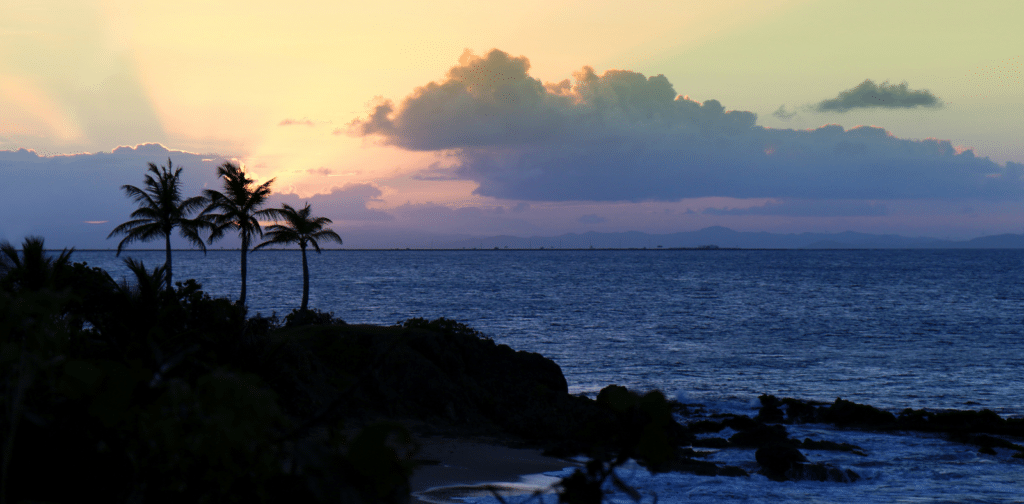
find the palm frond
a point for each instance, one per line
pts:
(139, 196)
(327, 235)
(297, 226)
(130, 226)
(9, 258)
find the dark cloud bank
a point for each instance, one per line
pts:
(75, 200)
(60, 195)
(621, 136)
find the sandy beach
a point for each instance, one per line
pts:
(468, 467)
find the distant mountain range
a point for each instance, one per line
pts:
(715, 236)
(727, 238)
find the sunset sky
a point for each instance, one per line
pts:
(485, 118)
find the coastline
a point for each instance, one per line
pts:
(457, 467)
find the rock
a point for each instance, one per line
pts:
(642, 427)
(777, 460)
(740, 422)
(785, 463)
(770, 411)
(798, 411)
(446, 376)
(850, 414)
(986, 443)
(958, 421)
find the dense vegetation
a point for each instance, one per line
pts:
(131, 392)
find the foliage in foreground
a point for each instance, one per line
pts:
(130, 392)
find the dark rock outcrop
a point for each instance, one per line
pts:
(784, 462)
(450, 378)
(850, 414)
(777, 461)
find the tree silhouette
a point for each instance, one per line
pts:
(161, 209)
(31, 270)
(237, 208)
(301, 228)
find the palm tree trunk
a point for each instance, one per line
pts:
(167, 263)
(305, 278)
(245, 251)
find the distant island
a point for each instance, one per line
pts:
(710, 237)
(715, 237)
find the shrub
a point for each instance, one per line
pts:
(311, 316)
(442, 325)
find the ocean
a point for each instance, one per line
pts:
(890, 328)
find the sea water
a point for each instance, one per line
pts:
(890, 328)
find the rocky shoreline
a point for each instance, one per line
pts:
(455, 382)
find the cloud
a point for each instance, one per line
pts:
(293, 122)
(783, 114)
(436, 172)
(347, 203)
(461, 220)
(591, 219)
(808, 208)
(75, 200)
(320, 171)
(622, 136)
(867, 94)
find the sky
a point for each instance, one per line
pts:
(403, 121)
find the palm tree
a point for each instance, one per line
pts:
(31, 270)
(237, 208)
(161, 209)
(299, 227)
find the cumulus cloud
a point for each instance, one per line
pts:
(867, 94)
(808, 208)
(623, 136)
